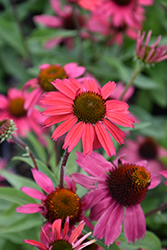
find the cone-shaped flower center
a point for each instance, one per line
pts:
(69, 22)
(62, 203)
(61, 245)
(122, 2)
(148, 149)
(48, 75)
(89, 107)
(7, 128)
(16, 107)
(128, 184)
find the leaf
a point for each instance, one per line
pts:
(18, 181)
(149, 242)
(41, 167)
(16, 196)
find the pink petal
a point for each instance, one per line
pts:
(107, 89)
(36, 244)
(155, 180)
(87, 139)
(55, 119)
(134, 223)
(64, 127)
(120, 119)
(84, 180)
(66, 227)
(91, 85)
(73, 136)
(31, 83)
(117, 133)
(32, 99)
(29, 209)
(164, 173)
(14, 93)
(116, 105)
(73, 70)
(49, 21)
(56, 229)
(44, 66)
(53, 42)
(55, 98)
(105, 139)
(34, 193)
(43, 181)
(4, 102)
(76, 232)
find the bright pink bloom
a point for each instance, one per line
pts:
(91, 5)
(47, 74)
(114, 34)
(12, 107)
(87, 114)
(59, 239)
(113, 189)
(129, 12)
(64, 19)
(144, 148)
(56, 203)
(150, 53)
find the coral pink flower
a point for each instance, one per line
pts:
(47, 74)
(87, 113)
(63, 19)
(91, 5)
(59, 239)
(12, 107)
(56, 203)
(150, 53)
(129, 12)
(115, 187)
(144, 148)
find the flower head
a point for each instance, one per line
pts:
(115, 187)
(47, 74)
(59, 239)
(87, 114)
(144, 148)
(12, 107)
(150, 53)
(7, 128)
(58, 203)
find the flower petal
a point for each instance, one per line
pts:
(29, 209)
(87, 139)
(107, 89)
(36, 244)
(34, 193)
(43, 181)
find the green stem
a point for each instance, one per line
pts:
(26, 148)
(63, 164)
(135, 73)
(157, 209)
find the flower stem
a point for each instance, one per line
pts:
(135, 73)
(63, 164)
(26, 148)
(157, 209)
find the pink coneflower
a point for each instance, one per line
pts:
(150, 53)
(144, 148)
(47, 74)
(91, 5)
(12, 107)
(87, 114)
(59, 239)
(129, 12)
(57, 203)
(64, 19)
(115, 187)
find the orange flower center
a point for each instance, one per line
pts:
(48, 75)
(61, 245)
(128, 184)
(148, 149)
(122, 2)
(16, 107)
(62, 203)
(89, 107)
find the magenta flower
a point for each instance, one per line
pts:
(150, 53)
(91, 5)
(47, 74)
(12, 107)
(129, 12)
(59, 239)
(115, 187)
(64, 19)
(87, 114)
(144, 148)
(57, 203)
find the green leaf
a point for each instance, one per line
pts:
(18, 181)
(149, 242)
(16, 196)
(10, 34)
(39, 149)
(41, 167)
